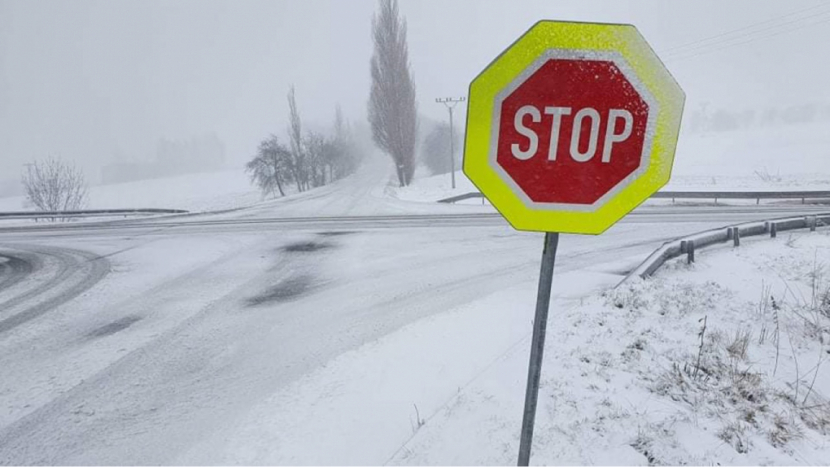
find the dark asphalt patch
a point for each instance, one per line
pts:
(13, 270)
(284, 291)
(306, 247)
(115, 326)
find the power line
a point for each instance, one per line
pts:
(671, 50)
(703, 51)
(754, 35)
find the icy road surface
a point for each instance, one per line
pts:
(132, 343)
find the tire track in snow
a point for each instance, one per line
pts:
(68, 273)
(156, 372)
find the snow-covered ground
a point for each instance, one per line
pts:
(404, 346)
(787, 150)
(630, 376)
(426, 188)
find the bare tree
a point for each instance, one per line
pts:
(392, 107)
(317, 156)
(436, 148)
(343, 155)
(54, 185)
(340, 130)
(295, 135)
(270, 168)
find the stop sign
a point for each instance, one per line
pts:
(572, 127)
(572, 122)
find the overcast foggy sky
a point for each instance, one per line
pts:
(87, 80)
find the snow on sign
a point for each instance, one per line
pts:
(572, 127)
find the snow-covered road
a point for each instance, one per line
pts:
(138, 341)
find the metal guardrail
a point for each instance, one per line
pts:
(756, 195)
(716, 195)
(87, 213)
(453, 199)
(688, 245)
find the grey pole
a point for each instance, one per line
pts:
(450, 103)
(452, 151)
(537, 345)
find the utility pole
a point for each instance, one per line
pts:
(450, 103)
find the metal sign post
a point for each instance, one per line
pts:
(537, 345)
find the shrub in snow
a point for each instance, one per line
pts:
(784, 430)
(667, 296)
(634, 295)
(735, 434)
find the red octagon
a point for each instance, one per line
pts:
(593, 116)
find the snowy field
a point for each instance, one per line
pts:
(193, 192)
(630, 376)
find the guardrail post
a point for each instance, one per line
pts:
(690, 251)
(729, 233)
(736, 236)
(683, 245)
(773, 229)
(811, 222)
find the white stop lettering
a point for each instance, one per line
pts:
(557, 114)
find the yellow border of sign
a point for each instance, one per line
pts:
(544, 35)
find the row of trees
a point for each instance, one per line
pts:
(308, 160)
(311, 159)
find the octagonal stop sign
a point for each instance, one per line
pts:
(572, 127)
